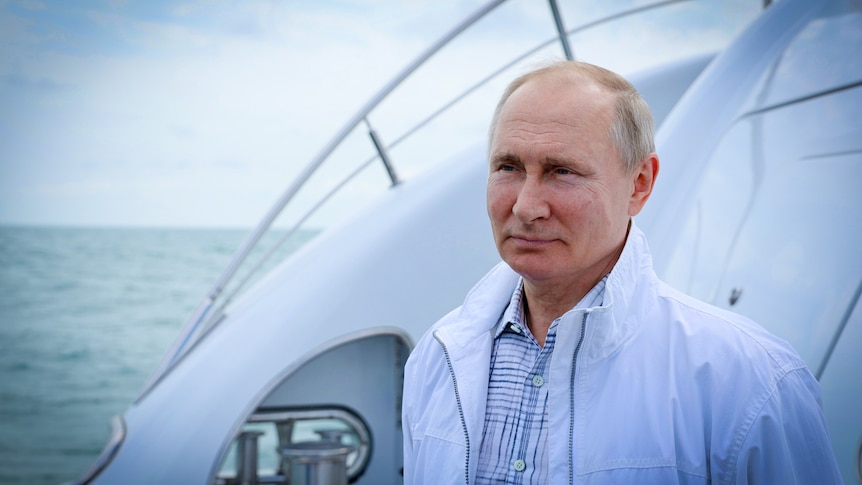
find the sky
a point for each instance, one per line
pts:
(199, 113)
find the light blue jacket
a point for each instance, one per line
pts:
(662, 388)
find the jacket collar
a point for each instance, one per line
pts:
(481, 311)
(610, 325)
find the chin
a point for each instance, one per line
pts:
(531, 270)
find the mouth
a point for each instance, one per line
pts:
(529, 242)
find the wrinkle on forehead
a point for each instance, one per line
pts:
(520, 129)
(572, 139)
(557, 103)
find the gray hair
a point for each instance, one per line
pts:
(631, 131)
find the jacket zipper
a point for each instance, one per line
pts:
(460, 410)
(571, 400)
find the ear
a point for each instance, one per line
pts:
(643, 182)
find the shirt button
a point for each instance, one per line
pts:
(538, 381)
(519, 465)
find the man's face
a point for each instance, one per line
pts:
(558, 196)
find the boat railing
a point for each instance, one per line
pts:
(210, 311)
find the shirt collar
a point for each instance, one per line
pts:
(514, 313)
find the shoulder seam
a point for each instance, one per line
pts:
(789, 365)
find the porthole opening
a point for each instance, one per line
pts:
(268, 442)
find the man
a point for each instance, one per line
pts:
(570, 362)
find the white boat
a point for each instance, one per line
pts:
(757, 209)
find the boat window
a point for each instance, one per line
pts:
(271, 432)
(823, 56)
(801, 242)
(797, 241)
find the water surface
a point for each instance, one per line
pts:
(85, 316)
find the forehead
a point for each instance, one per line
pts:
(555, 111)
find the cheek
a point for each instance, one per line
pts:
(586, 214)
(576, 205)
(605, 203)
(498, 200)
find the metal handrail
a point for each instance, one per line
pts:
(561, 30)
(242, 253)
(382, 153)
(421, 124)
(296, 226)
(195, 325)
(520, 58)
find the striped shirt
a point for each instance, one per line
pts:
(514, 447)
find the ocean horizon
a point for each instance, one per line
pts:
(86, 314)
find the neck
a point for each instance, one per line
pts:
(543, 305)
(545, 301)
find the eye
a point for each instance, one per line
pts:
(562, 171)
(506, 167)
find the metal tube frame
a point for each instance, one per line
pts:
(195, 325)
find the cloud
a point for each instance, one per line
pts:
(214, 103)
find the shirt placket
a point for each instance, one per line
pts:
(533, 412)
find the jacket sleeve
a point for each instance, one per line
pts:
(788, 441)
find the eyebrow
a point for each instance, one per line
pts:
(505, 157)
(560, 161)
(509, 157)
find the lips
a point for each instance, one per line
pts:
(530, 242)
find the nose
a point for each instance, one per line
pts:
(532, 204)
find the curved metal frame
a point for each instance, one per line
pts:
(200, 321)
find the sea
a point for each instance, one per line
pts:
(86, 314)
